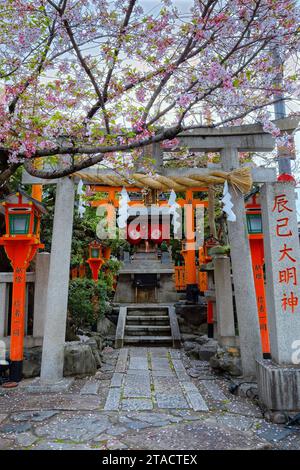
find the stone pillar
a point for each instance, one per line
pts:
(245, 298)
(282, 258)
(58, 284)
(224, 302)
(279, 378)
(40, 293)
(3, 303)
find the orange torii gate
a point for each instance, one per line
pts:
(191, 277)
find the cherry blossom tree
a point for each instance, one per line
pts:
(88, 79)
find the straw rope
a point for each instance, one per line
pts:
(240, 179)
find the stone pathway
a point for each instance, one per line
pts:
(142, 398)
(152, 378)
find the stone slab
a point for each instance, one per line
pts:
(137, 386)
(113, 399)
(117, 379)
(195, 399)
(36, 416)
(189, 386)
(171, 401)
(174, 328)
(76, 428)
(135, 404)
(180, 370)
(214, 390)
(119, 341)
(117, 430)
(25, 439)
(241, 423)
(90, 388)
(273, 433)
(159, 352)
(196, 435)
(36, 386)
(140, 372)
(138, 352)
(133, 424)
(243, 407)
(160, 363)
(50, 445)
(155, 418)
(15, 428)
(163, 373)
(197, 402)
(138, 363)
(122, 360)
(166, 385)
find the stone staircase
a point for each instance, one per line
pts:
(147, 324)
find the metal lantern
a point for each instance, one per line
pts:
(95, 250)
(22, 215)
(254, 222)
(95, 259)
(21, 242)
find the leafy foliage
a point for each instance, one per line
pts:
(88, 301)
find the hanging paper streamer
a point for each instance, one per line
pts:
(123, 209)
(175, 210)
(226, 200)
(81, 204)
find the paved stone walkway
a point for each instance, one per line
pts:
(152, 378)
(142, 398)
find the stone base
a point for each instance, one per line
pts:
(36, 386)
(278, 386)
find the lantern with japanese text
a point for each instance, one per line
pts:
(21, 242)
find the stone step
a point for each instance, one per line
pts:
(158, 340)
(136, 312)
(148, 319)
(145, 255)
(143, 264)
(143, 330)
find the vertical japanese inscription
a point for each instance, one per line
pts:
(287, 272)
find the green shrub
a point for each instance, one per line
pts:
(88, 301)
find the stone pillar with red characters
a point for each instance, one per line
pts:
(279, 377)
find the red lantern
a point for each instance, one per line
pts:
(21, 242)
(95, 259)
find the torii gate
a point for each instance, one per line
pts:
(229, 142)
